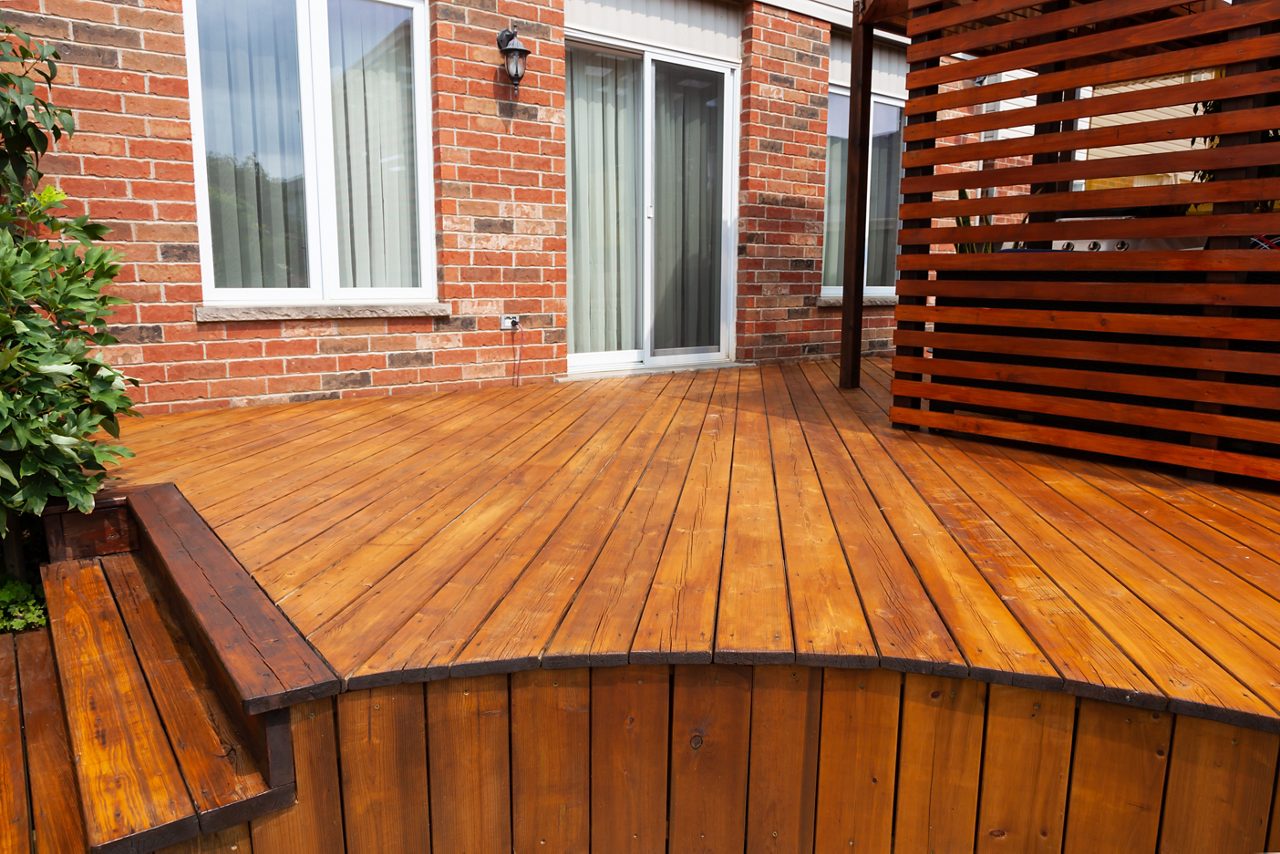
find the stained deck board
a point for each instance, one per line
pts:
(749, 515)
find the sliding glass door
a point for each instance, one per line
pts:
(650, 190)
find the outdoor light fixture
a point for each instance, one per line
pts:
(513, 55)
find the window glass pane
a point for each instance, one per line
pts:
(837, 184)
(883, 201)
(371, 59)
(886, 184)
(604, 96)
(253, 142)
(688, 158)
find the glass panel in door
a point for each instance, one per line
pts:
(605, 204)
(688, 199)
(885, 184)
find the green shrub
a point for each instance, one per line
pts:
(21, 607)
(56, 396)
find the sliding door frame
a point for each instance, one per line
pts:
(730, 73)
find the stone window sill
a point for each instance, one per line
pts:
(837, 302)
(331, 311)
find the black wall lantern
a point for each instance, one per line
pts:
(513, 55)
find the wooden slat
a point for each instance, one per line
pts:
(233, 840)
(754, 622)
(228, 613)
(710, 745)
(1220, 782)
(1118, 773)
(678, 621)
(314, 822)
(384, 769)
(940, 757)
(857, 763)
(1026, 767)
(225, 780)
(114, 724)
(469, 737)
(15, 819)
(550, 760)
(56, 821)
(630, 712)
(786, 706)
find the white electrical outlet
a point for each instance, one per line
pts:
(510, 321)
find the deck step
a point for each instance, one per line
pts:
(132, 793)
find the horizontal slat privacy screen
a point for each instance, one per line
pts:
(1091, 232)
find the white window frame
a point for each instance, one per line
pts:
(868, 290)
(644, 357)
(320, 169)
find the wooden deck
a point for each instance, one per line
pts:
(756, 516)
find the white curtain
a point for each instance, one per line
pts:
(371, 59)
(688, 182)
(253, 142)
(834, 225)
(604, 150)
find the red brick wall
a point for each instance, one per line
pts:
(500, 213)
(782, 176)
(500, 207)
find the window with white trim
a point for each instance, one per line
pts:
(311, 125)
(884, 164)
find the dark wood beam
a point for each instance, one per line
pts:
(855, 213)
(872, 12)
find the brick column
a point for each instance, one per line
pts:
(782, 185)
(500, 175)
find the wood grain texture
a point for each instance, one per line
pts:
(710, 746)
(551, 760)
(469, 739)
(384, 773)
(114, 724)
(314, 822)
(1217, 794)
(857, 764)
(786, 708)
(1117, 779)
(15, 821)
(630, 718)
(1026, 767)
(940, 763)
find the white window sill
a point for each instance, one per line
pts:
(327, 311)
(837, 301)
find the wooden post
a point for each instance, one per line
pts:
(855, 203)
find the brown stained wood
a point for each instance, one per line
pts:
(396, 522)
(533, 558)
(314, 821)
(678, 620)
(786, 705)
(1026, 768)
(222, 774)
(551, 760)
(857, 763)
(826, 613)
(114, 724)
(1219, 791)
(1118, 770)
(908, 630)
(15, 821)
(382, 745)
(232, 840)
(600, 625)
(710, 747)
(990, 637)
(468, 729)
(754, 621)
(348, 630)
(630, 713)
(56, 821)
(228, 615)
(940, 758)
